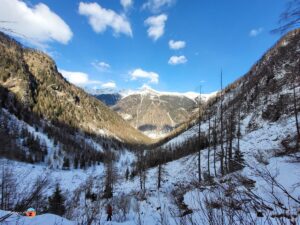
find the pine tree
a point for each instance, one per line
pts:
(66, 164)
(127, 174)
(57, 202)
(238, 162)
(82, 163)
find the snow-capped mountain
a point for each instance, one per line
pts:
(155, 113)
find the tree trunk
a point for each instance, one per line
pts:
(199, 140)
(296, 116)
(159, 176)
(208, 151)
(226, 148)
(221, 136)
(215, 144)
(239, 129)
(230, 139)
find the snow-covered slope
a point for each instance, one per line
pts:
(179, 176)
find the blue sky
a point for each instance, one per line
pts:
(106, 44)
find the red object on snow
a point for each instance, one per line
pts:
(109, 210)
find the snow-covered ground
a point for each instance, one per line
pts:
(159, 204)
(46, 219)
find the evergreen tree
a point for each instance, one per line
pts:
(127, 174)
(82, 163)
(238, 162)
(66, 164)
(57, 202)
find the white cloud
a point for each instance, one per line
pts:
(255, 32)
(126, 4)
(78, 78)
(100, 19)
(157, 5)
(102, 66)
(156, 26)
(139, 73)
(175, 60)
(110, 84)
(37, 24)
(175, 45)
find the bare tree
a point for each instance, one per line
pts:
(142, 170)
(222, 127)
(209, 142)
(199, 140)
(215, 144)
(290, 18)
(139, 219)
(86, 203)
(159, 175)
(230, 141)
(296, 115)
(111, 175)
(8, 187)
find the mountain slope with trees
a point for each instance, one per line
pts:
(33, 78)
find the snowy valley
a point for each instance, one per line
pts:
(72, 154)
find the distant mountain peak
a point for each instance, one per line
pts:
(147, 90)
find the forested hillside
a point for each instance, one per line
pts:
(38, 105)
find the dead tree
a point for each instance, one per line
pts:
(208, 151)
(111, 175)
(231, 131)
(221, 131)
(290, 18)
(8, 188)
(226, 136)
(296, 115)
(141, 170)
(159, 176)
(199, 140)
(215, 139)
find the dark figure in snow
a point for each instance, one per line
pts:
(109, 212)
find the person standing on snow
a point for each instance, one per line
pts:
(109, 212)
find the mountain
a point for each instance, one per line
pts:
(154, 113)
(106, 95)
(263, 102)
(34, 94)
(109, 99)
